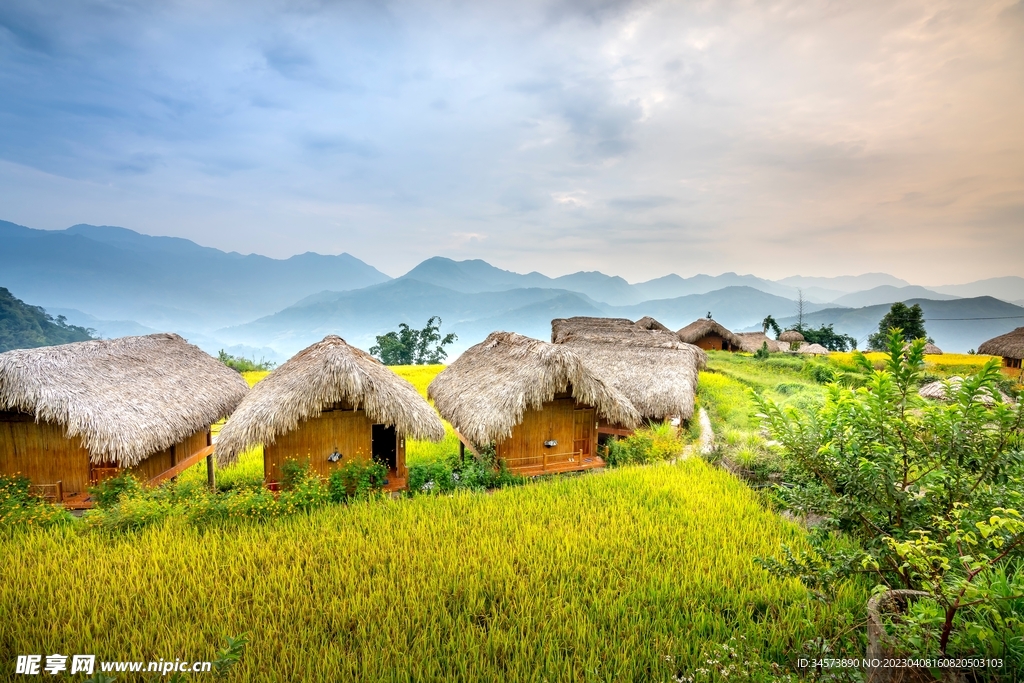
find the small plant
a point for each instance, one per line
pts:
(356, 480)
(110, 492)
(242, 364)
(18, 507)
(293, 472)
(762, 353)
(230, 655)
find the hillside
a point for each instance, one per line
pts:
(25, 327)
(163, 282)
(956, 325)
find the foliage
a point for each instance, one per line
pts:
(930, 491)
(599, 578)
(769, 321)
(827, 337)
(243, 364)
(231, 654)
(649, 444)
(413, 347)
(25, 327)
(19, 508)
(453, 473)
(356, 480)
(762, 353)
(109, 492)
(908, 319)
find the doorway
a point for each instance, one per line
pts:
(384, 446)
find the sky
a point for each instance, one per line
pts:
(636, 138)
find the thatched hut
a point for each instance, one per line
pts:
(936, 391)
(538, 403)
(812, 349)
(1010, 347)
(751, 342)
(644, 360)
(330, 404)
(75, 414)
(791, 336)
(710, 336)
(932, 350)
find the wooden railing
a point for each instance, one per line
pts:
(547, 462)
(181, 466)
(51, 492)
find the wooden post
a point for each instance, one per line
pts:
(210, 477)
(174, 459)
(60, 490)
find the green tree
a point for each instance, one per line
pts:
(407, 346)
(25, 327)
(827, 337)
(932, 492)
(769, 321)
(909, 319)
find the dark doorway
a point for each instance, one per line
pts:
(384, 445)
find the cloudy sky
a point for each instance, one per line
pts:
(637, 138)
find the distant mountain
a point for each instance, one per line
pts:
(845, 283)
(887, 294)
(956, 325)
(360, 315)
(673, 286)
(26, 327)
(165, 283)
(1010, 288)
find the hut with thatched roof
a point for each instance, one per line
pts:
(538, 403)
(791, 336)
(75, 414)
(937, 391)
(644, 360)
(329, 405)
(1010, 347)
(812, 349)
(751, 342)
(710, 336)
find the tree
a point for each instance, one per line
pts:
(769, 321)
(407, 346)
(932, 493)
(909, 319)
(801, 304)
(26, 327)
(829, 338)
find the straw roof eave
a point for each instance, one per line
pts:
(485, 393)
(1009, 345)
(324, 374)
(124, 399)
(704, 327)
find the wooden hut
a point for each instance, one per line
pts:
(644, 360)
(751, 342)
(328, 405)
(1010, 347)
(791, 336)
(538, 403)
(75, 414)
(710, 336)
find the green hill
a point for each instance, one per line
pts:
(25, 327)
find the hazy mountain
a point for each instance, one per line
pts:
(673, 286)
(956, 325)
(845, 283)
(166, 283)
(1010, 288)
(887, 294)
(360, 315)
(104, 329)
(734, 307)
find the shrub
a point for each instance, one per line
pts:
(653, 443)
(932, 493)
(18, 507)
(109, 492)
(356, 480)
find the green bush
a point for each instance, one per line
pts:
(18, 507)
(356, 480)
(653, 443)
(109, 492)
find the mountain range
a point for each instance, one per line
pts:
(119, 282)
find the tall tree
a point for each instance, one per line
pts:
(908, 319)
(407, 346)
(769, 321)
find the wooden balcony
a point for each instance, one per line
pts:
(553, 463)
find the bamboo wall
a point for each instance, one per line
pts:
(42, 452)
(712, 342)
(347, 431)
(561, 420)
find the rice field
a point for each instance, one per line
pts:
(622, 576)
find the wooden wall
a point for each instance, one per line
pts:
(713, 342)
(347, 431)
(562, 420)
(43, 453)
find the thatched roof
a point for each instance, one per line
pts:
(813, 349)
(488, 389)
(125, 398)
(751, 342)
(937, 391)
(324, 374)
(1009, 345)
(932, 349)
(791, 336)
(648, 364)
(702, 327)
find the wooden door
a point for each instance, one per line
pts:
(583, 432)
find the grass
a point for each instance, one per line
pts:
(623, 576)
